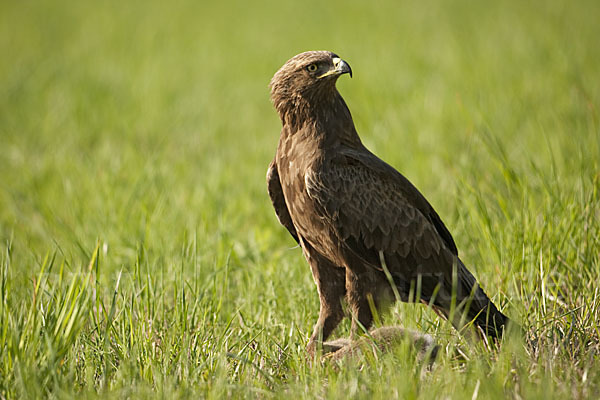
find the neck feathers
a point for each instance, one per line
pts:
(324, 113)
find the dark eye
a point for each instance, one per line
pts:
(311, 68)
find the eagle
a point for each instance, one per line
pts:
(369, 236)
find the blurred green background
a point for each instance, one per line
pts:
(134, 121)
(145, 128)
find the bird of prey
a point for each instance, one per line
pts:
(368, 234)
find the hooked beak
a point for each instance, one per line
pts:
(339, 67)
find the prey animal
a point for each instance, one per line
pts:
(368, 234)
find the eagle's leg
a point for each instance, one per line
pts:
(358, 290)
(330, 281)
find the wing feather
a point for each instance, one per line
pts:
(278, 200)
(372, 211)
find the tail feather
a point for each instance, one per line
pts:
(486, 316)
(468, 303)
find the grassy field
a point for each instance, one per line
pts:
(140, 255)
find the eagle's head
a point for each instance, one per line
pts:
(306, 81)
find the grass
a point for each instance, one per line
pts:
(140, 256)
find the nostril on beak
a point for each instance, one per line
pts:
(342, 66)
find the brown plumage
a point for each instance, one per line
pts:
(360, 223)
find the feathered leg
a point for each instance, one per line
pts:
(358, 287)
(331, 286)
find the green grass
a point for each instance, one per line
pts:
(140, 255)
